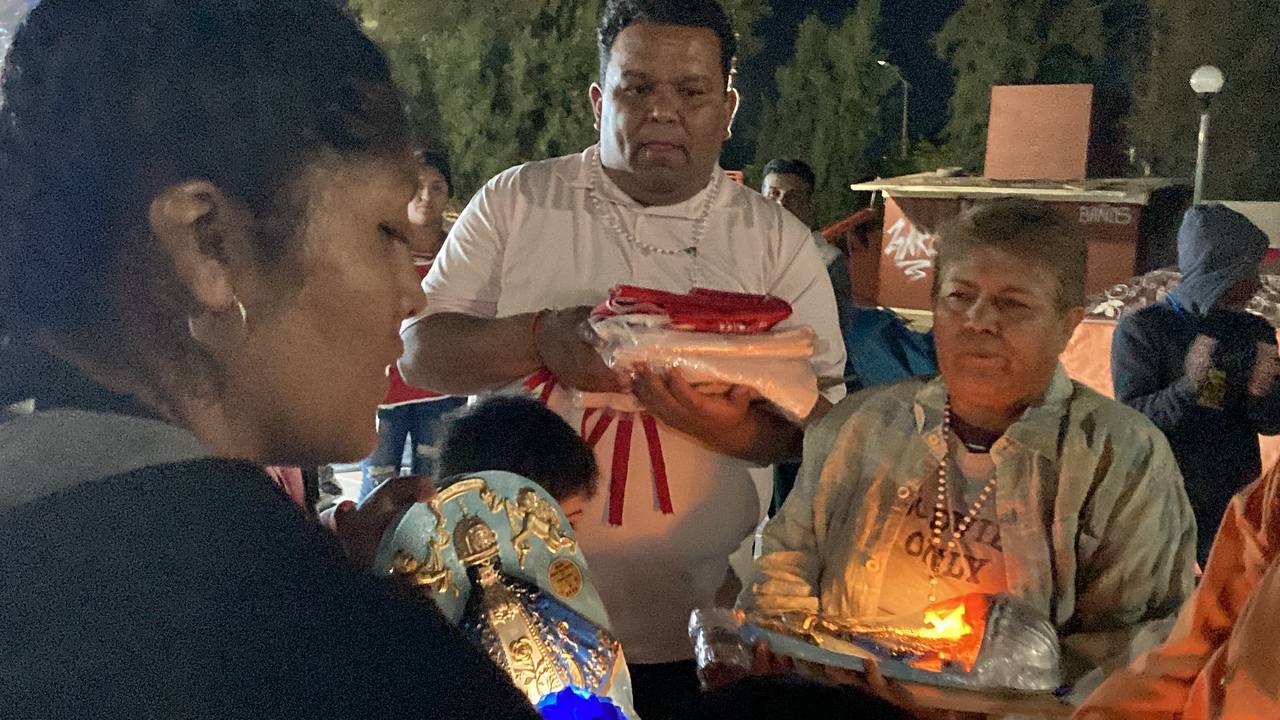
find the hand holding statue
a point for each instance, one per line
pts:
(359, 529)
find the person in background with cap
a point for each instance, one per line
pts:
(791, 183)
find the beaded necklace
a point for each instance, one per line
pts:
(943, 507)
(608, 214)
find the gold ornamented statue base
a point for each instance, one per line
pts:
(499, 558)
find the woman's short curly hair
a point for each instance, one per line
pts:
(105, 104)
(1031, 230)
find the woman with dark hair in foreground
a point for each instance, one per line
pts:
(201, 203)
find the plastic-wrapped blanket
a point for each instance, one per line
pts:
(700, 310)
(776, 364)
(716, 339)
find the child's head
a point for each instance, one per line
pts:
(521, 436)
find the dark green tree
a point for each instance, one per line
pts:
(828, 108)
(1002, 42)
(499, 83)
(1240, 37)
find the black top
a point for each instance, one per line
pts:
(1215, 437)
(198, 590)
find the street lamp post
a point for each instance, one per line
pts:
(906, 90)
(1206, 81)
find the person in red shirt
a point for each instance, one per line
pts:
(409, 413)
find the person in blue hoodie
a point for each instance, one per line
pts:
(1201, 367)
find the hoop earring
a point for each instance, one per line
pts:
(204, 329)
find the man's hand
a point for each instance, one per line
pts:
(1199, 360)
(764, 661)
(1266, 369)
(870, 681)
(678, 404)
(873, 682)
(360, 529)
(566, 343)
(733, 423)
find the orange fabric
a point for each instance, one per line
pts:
(1088, 356)
(1222, 659)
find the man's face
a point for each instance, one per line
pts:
(664, 111)
(999, 330)
(1237, 296)
(792, 193)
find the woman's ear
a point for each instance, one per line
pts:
(192, 223)
(205, 236)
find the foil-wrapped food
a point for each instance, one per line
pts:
(988, 643)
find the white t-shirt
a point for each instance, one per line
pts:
(975, 566)
(531, 239)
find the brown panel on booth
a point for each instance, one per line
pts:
(1039, 132)
(906, 259)
(864, 268)
(1113, 234)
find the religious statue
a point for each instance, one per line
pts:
(498, 556)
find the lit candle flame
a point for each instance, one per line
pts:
(948, 626)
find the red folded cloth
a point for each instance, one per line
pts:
(700, 309)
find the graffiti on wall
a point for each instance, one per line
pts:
(911, 249)
(1106, 215)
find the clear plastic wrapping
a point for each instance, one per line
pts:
(1019, 650)
(719, 648)
(986, 643)
(775, 364)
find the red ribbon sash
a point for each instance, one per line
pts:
(544, 379)
(620, 469)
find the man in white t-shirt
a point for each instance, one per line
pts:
(542, 243)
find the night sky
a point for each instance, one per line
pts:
(906, 28)
(905, 32)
